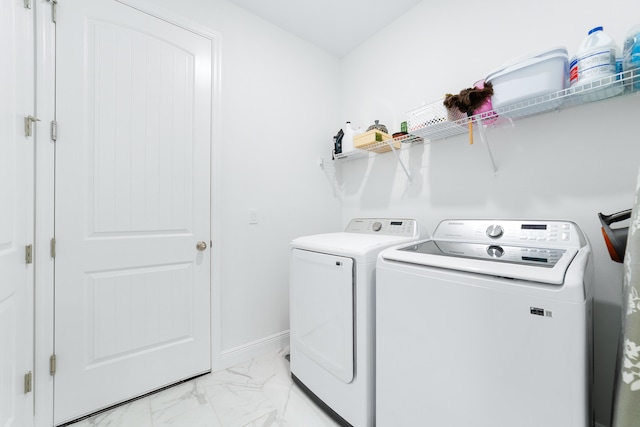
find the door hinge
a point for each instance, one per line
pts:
(54, 130)
(28, 254)
(28, 125)
(53, 248)
(27, 4)
(28, 382)
(54, 6)
(52, 365)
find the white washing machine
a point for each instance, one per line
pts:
(332, 279)
(488, 324)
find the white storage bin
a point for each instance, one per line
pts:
(533, 76)
(558, 50)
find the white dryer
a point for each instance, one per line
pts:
(489, 324)
(332, 279)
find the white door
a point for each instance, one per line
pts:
(16, 212)
(132, 300)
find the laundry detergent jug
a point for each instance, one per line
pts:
(595, 58)
(631, 56)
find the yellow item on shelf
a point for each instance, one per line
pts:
(374, 140)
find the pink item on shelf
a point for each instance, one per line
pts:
(485, 110)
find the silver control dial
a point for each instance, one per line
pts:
(495, 231)
(495, 251)
(377, 226)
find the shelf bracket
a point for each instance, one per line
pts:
(483, 138)
(329, 168)
(395, 153)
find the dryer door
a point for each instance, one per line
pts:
(322, 317)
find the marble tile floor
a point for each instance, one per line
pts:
(258, 393)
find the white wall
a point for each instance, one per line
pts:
(570, 164)
(277, 117)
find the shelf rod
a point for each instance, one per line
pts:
(483, 138)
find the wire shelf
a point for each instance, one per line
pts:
(398, 143)
(432, 122)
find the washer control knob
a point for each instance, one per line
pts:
(377, 226)
(495, 231)
(495, 251)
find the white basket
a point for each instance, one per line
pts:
(434, 121)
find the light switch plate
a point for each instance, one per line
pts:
(253, 216)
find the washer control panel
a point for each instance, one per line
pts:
(550, 232)
(515, 232)
(538, 256)
(389, 226)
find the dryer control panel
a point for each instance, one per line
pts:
(563, 234)
(389, 226)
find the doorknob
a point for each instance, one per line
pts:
(201, 246)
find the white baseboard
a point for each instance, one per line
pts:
(236, 355)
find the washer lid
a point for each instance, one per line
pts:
(546, 265)
(362, 247)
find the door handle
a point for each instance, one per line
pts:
(201, 246)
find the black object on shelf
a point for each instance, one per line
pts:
(337, 142)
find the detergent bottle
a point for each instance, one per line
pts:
(595, 59)
(349, 132)
(631, 56)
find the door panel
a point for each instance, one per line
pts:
(322, 311)
(141, 92)
(132, 201)
(16, 212)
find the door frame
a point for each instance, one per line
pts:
(18, 273)
(44, 212)
(45, 191)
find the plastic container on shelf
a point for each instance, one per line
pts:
(594, 66)
(349, 133)
(562, 50)
(631, 56)
(594, 59)
(527, 78)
